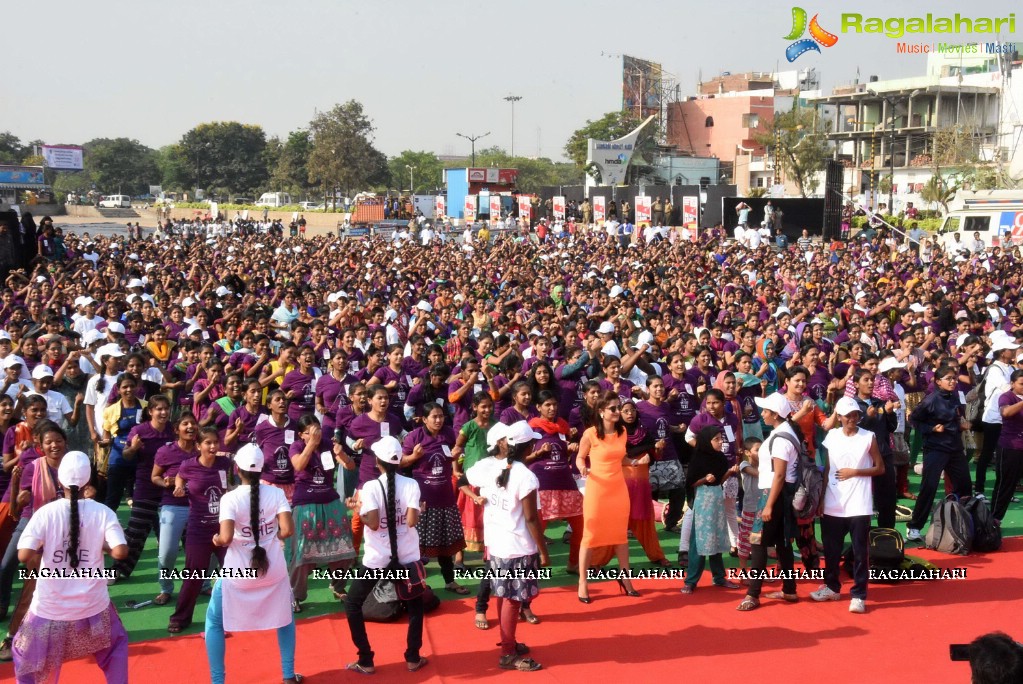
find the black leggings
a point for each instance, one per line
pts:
(992, 431)
(447, 568)
(774, 534)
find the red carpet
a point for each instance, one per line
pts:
(903, 637)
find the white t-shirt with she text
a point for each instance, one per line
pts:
(377, 554)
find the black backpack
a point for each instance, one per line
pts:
(987, 535)
(885, 548)
(809, 496)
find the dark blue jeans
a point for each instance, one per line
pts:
(833, 532)
(120, 476)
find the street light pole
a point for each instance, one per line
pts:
(472, 139)
(513, 99)
(411, 179)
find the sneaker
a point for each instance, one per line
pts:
(857, 606)
(824, 593)
(913, 535)
(979, 495)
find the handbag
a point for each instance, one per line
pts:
(413, 585)
(666, 475)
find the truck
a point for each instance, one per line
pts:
(995, 215)
(273, 199)
(427, 204)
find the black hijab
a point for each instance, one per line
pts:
(706, 459)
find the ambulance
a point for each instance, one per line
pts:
(995, 215)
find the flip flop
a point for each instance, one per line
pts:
(418, 665)
(457, 589)
(481, 621)
(162, 599)
(361, 669)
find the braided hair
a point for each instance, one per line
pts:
(259, 561)
(516, 453)
(391, 507)
(73, 537)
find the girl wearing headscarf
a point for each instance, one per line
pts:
(764, 356)
(708, 471)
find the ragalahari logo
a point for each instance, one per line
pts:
(818, 36)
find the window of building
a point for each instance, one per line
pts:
(750, 120)
(977, 224)
(710, 122)
(760, 182)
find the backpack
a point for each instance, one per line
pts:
(951, 529)
(885, 548)
(809, 496)
(987, 535)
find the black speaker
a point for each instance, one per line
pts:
(832, 200)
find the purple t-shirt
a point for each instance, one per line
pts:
(418, 398)
(28, 472)
(817, 384)
(152, 441)
(433, 470)
(247, 435)
(304, 399)
(398, 393)
(314, 484)
(510, 415)
(369, 431)
(553, 470)
(571, 384)
(624, 390)
(205, 487)
(684, 405)
(730, 447)
(170, 458)
(1012, 426)
(656, 420)
(750, 410)
(333, 394)
(274, 442)
(463, 407)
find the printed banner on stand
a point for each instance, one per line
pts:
(690, 211)
(525, 208)
(599, 212)
(470, 208)
(495, 207)
(559, 208)
(643, 212)
(440, 206)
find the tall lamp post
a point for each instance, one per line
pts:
(513, 99)
(411, 178)
(472, 139)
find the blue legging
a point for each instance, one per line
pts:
(215, 640)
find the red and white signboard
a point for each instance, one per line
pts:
(690, 211)
(1017, 228)
(477, 175)
(495, 207)
(643, 211)
(599, 211)
(440, 206)
(559, 208)
(470, 208)
(525, 208)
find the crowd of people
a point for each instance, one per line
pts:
(282, 405)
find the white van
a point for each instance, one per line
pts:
(273, 199)
(997, 220)
(115, 202)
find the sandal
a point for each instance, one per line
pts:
(162, 599)
(296, 607)
(663, 563)
(788, 598)
(481, 621)
(418, 665)
(297, 679)
(457, 589)
(528, 617)
(516, 662)
(687, 589)
(361, 669)
(749, 603)
(174, 629)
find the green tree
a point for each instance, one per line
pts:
(343, 157)
(171, 161)
(65, 182)
(426, 171)
(11, 149)
(288, 170)
(937, 191)
(224, 154)
(121, 165)
(533, 173)
(798, 143)
(611, 126)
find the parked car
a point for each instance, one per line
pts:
(309, 206)
(242, 200)
(115, 202)
(274, 199)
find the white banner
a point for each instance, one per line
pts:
(469, 209)
(608, 160)
(559, 208)
(440, 206)
(495, 207)
(599, 212)
(690, 211)
(63, 157)
(214, 209)
(525, 208)
(642, 209)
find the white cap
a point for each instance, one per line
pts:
(135, 282)
(615, 291)
(606, 328)
(187, 301)
(495, 434)
(916, 307)
(222, 291)
(115, 327)
(860, 295)
(86, 301)
(991, 299)
(42, 371)
(889, 363)
(1001, 344)
(388, 450)
(12, 361)
(110, 350)
(520, 433)
(193, 329)
(774, 402)
(249, 458)
(4, 335)
(332, 297)
(424, 305)
(846, 405)
(534, 333)
(91, 337)
(782, 310)
(644, 338)
(74, 469)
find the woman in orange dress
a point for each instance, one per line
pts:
(606, 500)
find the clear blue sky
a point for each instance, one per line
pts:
(423, 70)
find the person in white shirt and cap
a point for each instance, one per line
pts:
(606, 333)
(58, 409)
(993, 310)
(777, 484)
(254, 519)
(70, 616)
(996, 380)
